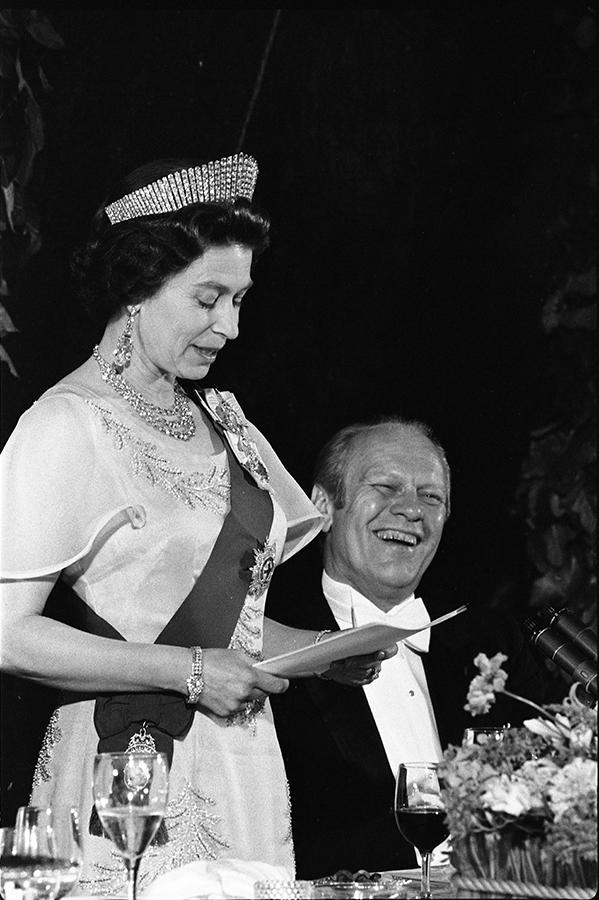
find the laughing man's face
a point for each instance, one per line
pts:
(384, 537)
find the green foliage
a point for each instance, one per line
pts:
(25, 37)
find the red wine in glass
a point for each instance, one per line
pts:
(422, 826)
(419, 812)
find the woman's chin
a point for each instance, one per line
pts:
(194, 372)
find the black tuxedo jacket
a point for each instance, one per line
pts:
(341, 785)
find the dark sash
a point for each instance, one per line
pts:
(207, 618)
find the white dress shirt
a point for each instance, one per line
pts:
(399, 699)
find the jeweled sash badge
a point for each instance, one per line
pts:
(263, 568)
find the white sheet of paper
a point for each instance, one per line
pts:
(365, 639)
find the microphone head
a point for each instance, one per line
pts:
(569, 625)
(557, 646)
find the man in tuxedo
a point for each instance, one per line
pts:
(384, 491)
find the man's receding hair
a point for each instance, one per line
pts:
(332, 461)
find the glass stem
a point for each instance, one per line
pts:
(425, 883)
(132, 868)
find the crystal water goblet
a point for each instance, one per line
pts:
(483, 734)
(45, 858)
(130, 794)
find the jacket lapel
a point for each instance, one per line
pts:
(446, 685)
(347, 715)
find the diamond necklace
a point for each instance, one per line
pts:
(177, 421)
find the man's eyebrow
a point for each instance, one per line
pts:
(377, 472)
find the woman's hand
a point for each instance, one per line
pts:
(231, 681)
(357, 671)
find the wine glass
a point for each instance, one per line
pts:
(45, 859)
(483, 734)
(7, 841)
(419, 812)
(130, 793)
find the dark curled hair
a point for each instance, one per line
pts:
(130, 261)
(333, 459)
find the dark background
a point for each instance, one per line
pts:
(415, 163)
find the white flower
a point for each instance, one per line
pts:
(549, 729)
(511, 796)
(538, 775)
(490, 666)
(574, 782)
(492, 678)
(581, 738)
(480, 698)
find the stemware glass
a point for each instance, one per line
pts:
(419, 812)
(42, 858)
(483, 734)
(130, 794)
(7, 840)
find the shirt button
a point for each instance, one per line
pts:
(411, 693)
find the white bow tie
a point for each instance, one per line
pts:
(411, 613)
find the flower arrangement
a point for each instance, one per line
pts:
(524, 808)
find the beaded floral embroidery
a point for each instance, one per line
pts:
(288, 839)
(248, 638)
(209, 490)
(194, 833)
(193, 830)
(248, 631)
(51, 737)
(248, 715)
(108, 880)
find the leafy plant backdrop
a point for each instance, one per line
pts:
(557, 494)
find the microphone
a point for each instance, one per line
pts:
(552, 633)
(580, 635)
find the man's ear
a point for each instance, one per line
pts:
(324, 504)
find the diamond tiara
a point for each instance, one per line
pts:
(224, 179)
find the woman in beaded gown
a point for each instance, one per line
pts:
(164, 512)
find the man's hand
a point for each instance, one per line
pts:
(357, 671)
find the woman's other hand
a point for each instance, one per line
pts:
(356, 671)
(231, 681)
